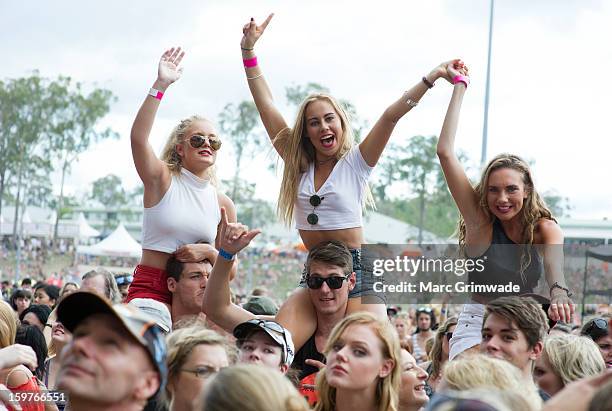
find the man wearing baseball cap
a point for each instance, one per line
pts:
(116, 359)
(264, 342)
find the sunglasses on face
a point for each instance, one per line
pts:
(198, 140)
(315, 201)
(334, 282)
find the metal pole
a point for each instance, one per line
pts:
(483, 154)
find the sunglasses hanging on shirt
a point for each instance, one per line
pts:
(315, 201)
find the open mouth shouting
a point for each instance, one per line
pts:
(328, 140)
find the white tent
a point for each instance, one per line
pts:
(85, 230)
(118, 244)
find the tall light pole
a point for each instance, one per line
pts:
(483, 154)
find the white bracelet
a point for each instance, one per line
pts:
(254, 77)
(410, 101)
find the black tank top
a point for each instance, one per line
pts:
(308, 351)
(502, 263)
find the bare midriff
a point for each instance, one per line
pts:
(155, 259)
(352, 237)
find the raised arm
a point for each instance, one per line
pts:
(270, 116)
(459, 185)
(152, 170)
(232, 238)
(375, 142)
(561, 306)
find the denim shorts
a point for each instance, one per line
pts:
(364, 285)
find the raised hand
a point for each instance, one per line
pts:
(233, 237)
(442, 70)
(169, 71)
(456, 68)
(251, 32)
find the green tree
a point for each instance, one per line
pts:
(239, 123)
(109, 192)
(558, 205)
(73, 126)
(26, 111)
(253, 212)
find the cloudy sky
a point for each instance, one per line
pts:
(550, 86)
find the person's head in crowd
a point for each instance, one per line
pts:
(259, 291)
(264, 343)
(362, 356)
(329, 265)
(36, 315)
(248, 387)
(478, 371)
(195, 354)
(600, 330)
(426, 319)
(602, 400)
(20, 300)
(26, 284)
(123, 283)
(8, 325)
(31, 336)
(68, 287)
(101, 282)
(117, 356)
(60, 336)
(514, 329)
(403, 325)
(47, 294)
(393, 311)
(187, 282)
(156, 310)
(261, 305)
(480, 400)
(566, 358)
(439, 352)
(560, 329)
(38, 285)
(412, 393)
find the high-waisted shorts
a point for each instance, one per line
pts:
(150, 282)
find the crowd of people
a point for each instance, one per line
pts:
(176, 335)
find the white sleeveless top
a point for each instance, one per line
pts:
(342, 194)
(187, 213)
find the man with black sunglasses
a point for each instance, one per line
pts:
(329, 278)
(600, 330)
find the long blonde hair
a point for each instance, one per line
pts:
(298, 152)
(387, 388)
(534, 207)
(8, 325)
(173, 159)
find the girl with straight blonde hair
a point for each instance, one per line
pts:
(363, 366)
(325, 176)
(182, 204)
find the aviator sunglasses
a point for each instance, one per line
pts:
(312, 218)
(198, 140)
(334, 282)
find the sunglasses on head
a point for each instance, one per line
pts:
(315, 201)
(334, 282)
(198, 140)
(596, 329)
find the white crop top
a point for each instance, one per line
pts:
(342, 194)
(188, 213)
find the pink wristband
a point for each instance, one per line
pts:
(156, 93)
(248, 63)
(461, 79)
